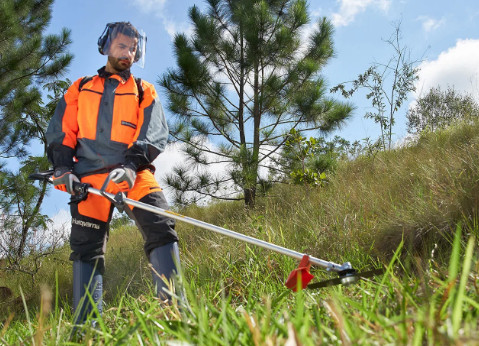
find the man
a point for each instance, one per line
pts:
(112, 126)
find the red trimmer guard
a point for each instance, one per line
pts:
(294, 281)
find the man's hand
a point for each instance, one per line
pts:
(63, 179)
(124, 177)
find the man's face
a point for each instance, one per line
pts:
(122, 52)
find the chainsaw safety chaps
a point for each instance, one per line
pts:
(156, 230)
(91, 218)
(88, 237)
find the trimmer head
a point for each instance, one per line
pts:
(347, 277)
(300, 277)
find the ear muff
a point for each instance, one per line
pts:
(104, 38)
(139, 51)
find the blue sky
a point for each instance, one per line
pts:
(443, 34)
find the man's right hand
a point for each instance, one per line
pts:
(63, 179)
(124, 177)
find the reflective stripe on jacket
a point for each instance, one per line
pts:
(104, 126)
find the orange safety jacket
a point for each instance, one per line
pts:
(103, 125)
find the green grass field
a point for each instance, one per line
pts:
(412, 211)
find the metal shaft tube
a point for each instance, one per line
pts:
(171, 214)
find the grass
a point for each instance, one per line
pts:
(436, 306)
(412, 210)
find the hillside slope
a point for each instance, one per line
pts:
(419, 192)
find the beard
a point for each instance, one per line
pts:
(118, 63)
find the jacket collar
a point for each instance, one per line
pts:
(125, 75)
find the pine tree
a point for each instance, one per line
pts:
(244, 79)
(30, 61)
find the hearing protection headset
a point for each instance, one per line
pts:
(125, 28)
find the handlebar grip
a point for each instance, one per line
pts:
(81, 192)
(78, 187)
(42, 176)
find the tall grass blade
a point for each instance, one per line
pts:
(59, 324)
(27, 315)
(457, 313)
(454, 263)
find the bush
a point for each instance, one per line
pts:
(439, 109)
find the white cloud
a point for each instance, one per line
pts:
(350, 8)
(173, 156)
(151, 5)
(56, 233)
(61, 224)
(172, 28)
(430, 24)
(456, 67)
(157, 7)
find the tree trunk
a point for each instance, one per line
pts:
(241, 90)
(252, 170)
(28, 222)
(249, 197)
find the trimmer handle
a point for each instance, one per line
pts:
(42, 176)
(81, 189)
(81, 192)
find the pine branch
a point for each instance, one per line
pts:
(206, 150)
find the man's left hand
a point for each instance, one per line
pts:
(124, 177)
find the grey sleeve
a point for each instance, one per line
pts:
(153, 134)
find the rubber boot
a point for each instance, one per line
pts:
(86, 278)
(164, 260)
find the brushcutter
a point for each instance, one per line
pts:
(298, 278)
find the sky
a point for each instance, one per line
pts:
(443, 36)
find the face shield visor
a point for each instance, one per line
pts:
(123, 41)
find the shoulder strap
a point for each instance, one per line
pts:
(140, 89)
(84, 81)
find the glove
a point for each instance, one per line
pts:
(63, 179)
(124, 177)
